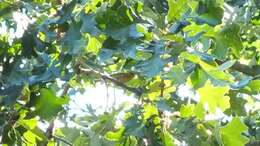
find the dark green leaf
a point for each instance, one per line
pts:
(48, 105)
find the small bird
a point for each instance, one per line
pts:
(123, 77)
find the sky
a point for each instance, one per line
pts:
(100, 98)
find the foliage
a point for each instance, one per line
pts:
(152, 49)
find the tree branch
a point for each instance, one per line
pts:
(49, 132)
(65, 89)
(136, 91)
(122, 85)
(253, 143)
(251, 71)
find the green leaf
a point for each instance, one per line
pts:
(149, 110)
(115, 136)
(254, 85)
(167, 139)
(78, 46)
(191, 57)
(89, 25)
(151, 67)
(177, 74)
(8, 96)
(187, 110)
(81, 140)
(241, 83)
(210, 69)
(30, 137)
(106, 55)
(71, 135)
(73, 40)
(214, 72)
(176, 9)
(94, 45)
(232, 133)
(48, 105)
(129, 49)
(222, 47)
(199, 111)
(130, 141)
(39, 132)
(124, 33)
(29, 124)
(112, 19)
(237, 105)
(194, 29)
(134, 127)
(95, 141)
(191, 110)
(227, 38)
(210, 12)
(66, 11)
(214, 96)
(198, 78)
(226, 65)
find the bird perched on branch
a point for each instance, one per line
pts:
(123, 77)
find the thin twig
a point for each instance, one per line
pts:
(63, 140)
(107, 96)
(49, 132)
(65, 90)
(114, 95)
(162, 86)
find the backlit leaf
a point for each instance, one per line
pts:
(214, 96)
(48, 104)
(176, 8)
(232, 133)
